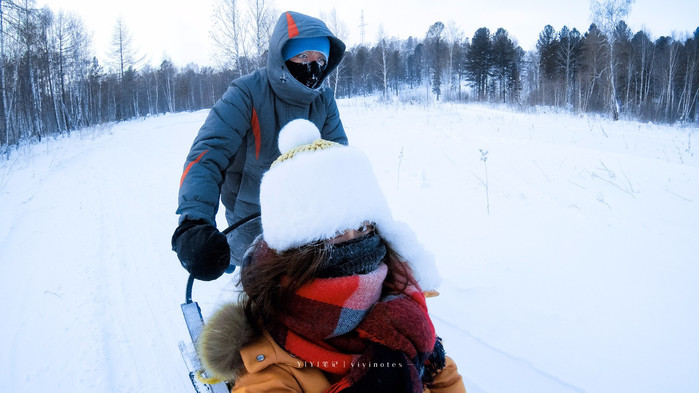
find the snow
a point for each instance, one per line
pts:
(581, 277)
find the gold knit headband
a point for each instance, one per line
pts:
(319, 144)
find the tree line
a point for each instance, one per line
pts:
(52, 83)
(649, 80)
(627, 74)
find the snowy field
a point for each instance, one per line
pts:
(576, 271)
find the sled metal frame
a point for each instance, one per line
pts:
(195, 324)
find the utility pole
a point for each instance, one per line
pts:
(362, 25)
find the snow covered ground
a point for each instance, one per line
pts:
(575, 272)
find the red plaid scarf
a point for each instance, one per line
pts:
(342, 326)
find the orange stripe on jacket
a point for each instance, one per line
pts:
(186, 171)
(291, 24)
(256, 132)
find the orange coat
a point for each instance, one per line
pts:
(232, 351)
(271, 369)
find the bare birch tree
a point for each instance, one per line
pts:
(607, 14)
(47, 43)
(167, 75)
(261, 21)
(4, 134)
(228, 34)
(79, 60)
(28, 38)
(382, 61)
(670, 48)
(453, 36)
(339, 28)
(689, 90)
(644, 51)
(568, 51)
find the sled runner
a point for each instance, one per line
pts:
(195, 323)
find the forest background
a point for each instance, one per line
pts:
(53, 83)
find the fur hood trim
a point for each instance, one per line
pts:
(221, 340)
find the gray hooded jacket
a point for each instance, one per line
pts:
(238, 141)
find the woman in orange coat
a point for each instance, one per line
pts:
(332, 296)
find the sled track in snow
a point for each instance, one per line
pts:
(488, 354)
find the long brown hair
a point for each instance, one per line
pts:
(270, 279)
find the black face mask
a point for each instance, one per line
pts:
(360, 255)
(309, 74)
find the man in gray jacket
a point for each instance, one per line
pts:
(238, 141)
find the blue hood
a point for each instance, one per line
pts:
(295, 25)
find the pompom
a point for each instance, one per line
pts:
(297, 133)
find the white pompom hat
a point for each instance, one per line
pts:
(318, 189)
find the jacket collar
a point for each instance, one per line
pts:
(263, 352)
(229, 346)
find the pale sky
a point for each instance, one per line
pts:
(179, 29)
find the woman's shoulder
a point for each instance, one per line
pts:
(231, 349)
(268, 367)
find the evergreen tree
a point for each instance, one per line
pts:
(436, 48)
(478, 61)
(622, 62)
(548, 48)
(503, 61)
(547, 45)
(415, 68)
(94, 81)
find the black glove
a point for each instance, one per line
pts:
(203, 250)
